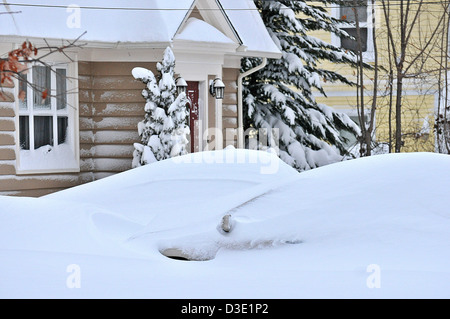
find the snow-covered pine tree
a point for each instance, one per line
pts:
(280, 96)
(164, 130)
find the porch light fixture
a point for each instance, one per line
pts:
(217, 89)
(181, 85)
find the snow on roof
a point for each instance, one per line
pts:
(200, 31)
(102, 20)
(246, 19)
(131, 21)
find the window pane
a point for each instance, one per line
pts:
(43, 131)
(41, 81)
(347, 11)
(352, 45)
(62, 129)
(351, 139)
(61, 89)
(24, 132)
(23, 91)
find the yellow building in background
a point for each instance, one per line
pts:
(425, 41)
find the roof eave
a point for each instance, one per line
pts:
(200, 46)
(259, 54)
(93, 44)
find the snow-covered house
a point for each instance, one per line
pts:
(87, 129)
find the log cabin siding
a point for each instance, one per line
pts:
(7, 131)
(110, 107)
(229, 107)
(23, 185)
(7, 136)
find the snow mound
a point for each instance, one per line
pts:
(45, 225)
(205, 179)
(387, 212)
(179, 202)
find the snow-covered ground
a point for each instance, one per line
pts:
(375, 227)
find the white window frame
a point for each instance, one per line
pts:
(368, 56)
(71, 112)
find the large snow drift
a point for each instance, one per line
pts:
(376, 227)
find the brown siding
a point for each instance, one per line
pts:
(7, 124)
(7, 83)
(7, 168)
(7, 109)
(229, 107)
(6, 96)
(7, 136)
(7, 154)
(111, 106)
(34, 184)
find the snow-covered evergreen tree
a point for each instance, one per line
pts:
(280, 96)
(164, 130)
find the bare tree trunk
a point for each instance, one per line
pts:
(398, 112)
(399, 67)
(446, 123)
(369, 137)
(367, 127)
(360, 103)
(439, 89)
(391, 98)
(395, 58)
(391, 91)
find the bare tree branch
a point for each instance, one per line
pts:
(16, 64)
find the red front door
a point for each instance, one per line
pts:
(194, 116)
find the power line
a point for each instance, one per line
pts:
(390, 3)
(114, 8)
(203, 9)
